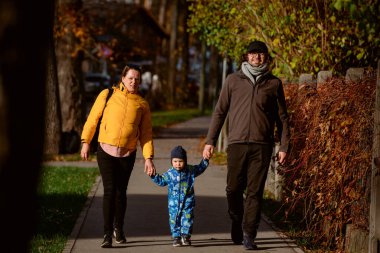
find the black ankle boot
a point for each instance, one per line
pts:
(107, 242)
(119, 236)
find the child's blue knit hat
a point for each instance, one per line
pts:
(178, 152)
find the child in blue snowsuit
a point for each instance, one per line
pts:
(181, 199)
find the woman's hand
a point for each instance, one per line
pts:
(85, 151)
(149, 167)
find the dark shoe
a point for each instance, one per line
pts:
(177, 242)
(186, 240)
(107, 242)
(119, 236)
(249, 243)
(236, 232)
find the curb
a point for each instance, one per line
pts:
(285, 238)
(81, 218)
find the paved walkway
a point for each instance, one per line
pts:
(147, 227)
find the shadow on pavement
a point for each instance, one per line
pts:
(148, 215)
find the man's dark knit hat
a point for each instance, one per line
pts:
(178, 152)
(257, 47)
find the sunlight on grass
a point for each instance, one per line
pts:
(61, 195)
(166, 118)
(219, 158)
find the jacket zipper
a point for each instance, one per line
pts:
(179, 199)
(250, 112)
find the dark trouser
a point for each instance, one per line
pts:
(248, 166)
(115, 176)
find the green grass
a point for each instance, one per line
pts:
(61, 195)
(162, 119)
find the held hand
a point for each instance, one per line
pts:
(281, 157)
(149, 167)
(85, 151)
(208, 151)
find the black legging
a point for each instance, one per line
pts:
(115, 176)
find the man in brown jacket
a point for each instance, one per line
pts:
(254, 101)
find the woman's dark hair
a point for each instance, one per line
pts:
(128, 67)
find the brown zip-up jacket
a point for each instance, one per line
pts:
(253, 111)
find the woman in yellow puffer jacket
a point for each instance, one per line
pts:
(126, 120)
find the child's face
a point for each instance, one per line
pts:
(178, 163)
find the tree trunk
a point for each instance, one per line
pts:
(202, 84)
(68, 89)
(162, 12)
(70, 81)
(24, 35)
(185, 50)
(173, 51)
(214, 77)
(53, 130)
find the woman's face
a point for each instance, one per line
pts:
(132, 80)
(257, 59)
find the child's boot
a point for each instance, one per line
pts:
(186, 240)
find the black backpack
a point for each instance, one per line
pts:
(94, 141)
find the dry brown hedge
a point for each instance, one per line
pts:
(327, 177)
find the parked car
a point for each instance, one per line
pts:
(95, 82)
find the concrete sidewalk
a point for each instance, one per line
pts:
(147, 227)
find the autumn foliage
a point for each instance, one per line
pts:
(327, 178)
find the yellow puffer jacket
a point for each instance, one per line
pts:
(126, 120)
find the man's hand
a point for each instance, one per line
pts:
(149, 167)
(208, 151)
(281, 157)
(85, 151)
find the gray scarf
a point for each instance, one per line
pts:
(254, 73)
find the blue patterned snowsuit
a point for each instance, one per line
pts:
(181, 198)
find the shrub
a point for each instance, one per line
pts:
(327, 177)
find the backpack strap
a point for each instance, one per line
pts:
(110, 91)
(94, 141)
